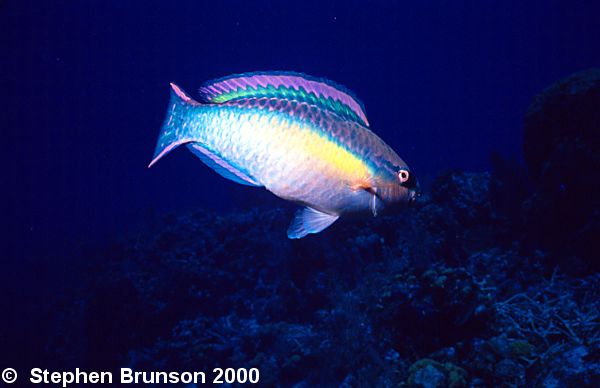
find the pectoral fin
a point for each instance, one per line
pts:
(309, 220)
(373, 204)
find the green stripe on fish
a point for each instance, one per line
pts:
(282, 92)
(289, 86)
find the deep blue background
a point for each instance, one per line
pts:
(85, 87)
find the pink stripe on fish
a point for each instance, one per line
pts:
(166, 150)
(180, 92)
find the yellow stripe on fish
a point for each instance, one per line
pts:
(343, 162)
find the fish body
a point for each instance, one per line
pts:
(304, 139)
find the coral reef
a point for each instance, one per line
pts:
(349, 307)
(457, 291)
(562, 151)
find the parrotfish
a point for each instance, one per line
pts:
(304, 139)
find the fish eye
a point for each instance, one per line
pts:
(403, 175)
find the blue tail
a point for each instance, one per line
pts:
(172, 134)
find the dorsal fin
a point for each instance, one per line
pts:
(286, 85)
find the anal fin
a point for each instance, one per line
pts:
(309, 220)
(221, 166)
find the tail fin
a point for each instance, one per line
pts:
(172, 133)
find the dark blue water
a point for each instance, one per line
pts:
(85, 89)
